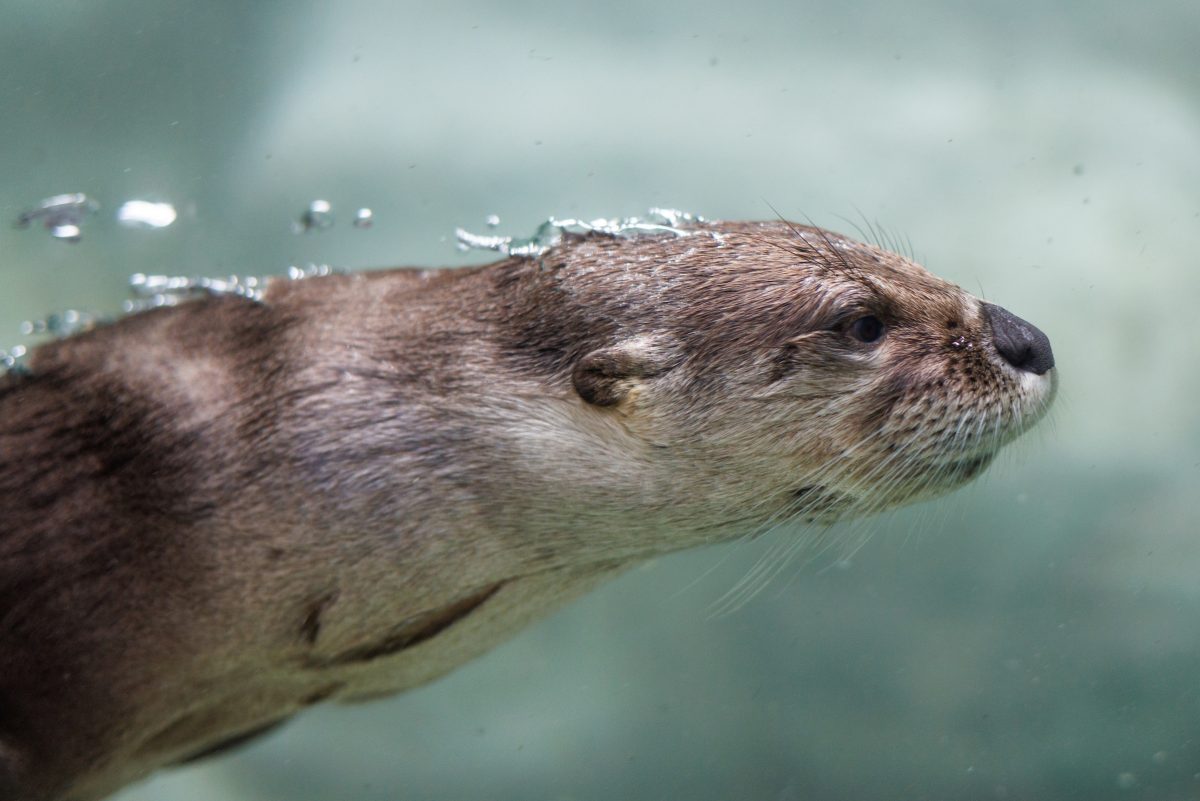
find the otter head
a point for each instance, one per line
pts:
(772, 371)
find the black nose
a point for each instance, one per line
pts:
(1022, 345)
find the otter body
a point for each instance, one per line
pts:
(219, 513)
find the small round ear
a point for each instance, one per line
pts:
(609, 375)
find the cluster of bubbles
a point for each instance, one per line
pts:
(153, 291)
(11, 359)
(64, 324)
(319, 216)
(63, 216)
(551, 232)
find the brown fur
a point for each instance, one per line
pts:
(216, 514)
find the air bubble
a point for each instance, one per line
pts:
(146, 214)
(317, 217)
(61, 215)
(69, 232)
(364, 218)
(12, 359)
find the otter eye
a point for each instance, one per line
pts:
(866, 329)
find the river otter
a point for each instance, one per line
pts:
(218, 513)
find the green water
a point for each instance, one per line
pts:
(1035, 636)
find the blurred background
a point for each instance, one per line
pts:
(1035, 636)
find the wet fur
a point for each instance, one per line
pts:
(219, 513)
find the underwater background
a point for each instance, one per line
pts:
(1033, 636)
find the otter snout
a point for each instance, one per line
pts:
(1021, 344)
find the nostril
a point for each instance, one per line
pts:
(1021, 344)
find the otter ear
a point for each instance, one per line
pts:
(609, 375)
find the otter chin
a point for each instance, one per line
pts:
(221, 512)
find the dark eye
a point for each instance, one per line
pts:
(866, 329)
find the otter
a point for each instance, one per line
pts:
(218, 513)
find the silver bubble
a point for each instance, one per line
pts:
(146, 214)
(12, 360)
(364, 218)
(317, 217)
(61, 215)
(68, 232)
